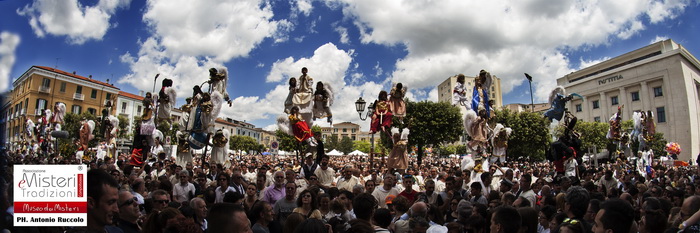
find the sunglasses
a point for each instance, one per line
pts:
(129, 202)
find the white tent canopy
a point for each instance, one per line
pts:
(334, 153)
(357, 152)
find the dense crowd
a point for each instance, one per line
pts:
(272, 194)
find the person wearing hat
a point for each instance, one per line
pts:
(506, 185)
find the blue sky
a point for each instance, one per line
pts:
(359, 47)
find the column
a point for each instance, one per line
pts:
(604, 106)
(622, 100)
(586, 108)
(645, 97)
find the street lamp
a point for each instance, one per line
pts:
(360, 107)
(154, 83)
(529, 79)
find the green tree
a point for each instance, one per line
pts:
(286, 142)
(123, 125)
(592, 134)
(244, 143)
(530, 136)
(332, 143)
(363, 146)
(71, 124)
(345, 145)
(432, 124)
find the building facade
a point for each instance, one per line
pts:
(129, 106)
(662, 77)
(539, 107)
(41, 87)
(343, 129)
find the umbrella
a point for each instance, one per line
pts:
(334, 153)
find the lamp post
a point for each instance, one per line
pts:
(532, 100)
(155, 80)
(360, 107)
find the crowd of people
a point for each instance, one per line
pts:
(272, 194)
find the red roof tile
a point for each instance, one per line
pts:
(76, 76)
(129, 95)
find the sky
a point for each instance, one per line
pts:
(358, 47)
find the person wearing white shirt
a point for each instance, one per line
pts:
(347, 181)
(183, 190)
(325, 174)
(223, 187)
(380, 193)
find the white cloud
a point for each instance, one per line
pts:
(303, 6)
(221, 30)
(658, 38)
(433, 95)
(343, 35)
(70, 18)
(8, 44)
(328, 64)
(504, 37)
(587, 63)
(378, 70)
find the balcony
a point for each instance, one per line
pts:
(78, 96)
(44, 89)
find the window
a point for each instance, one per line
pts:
(613, 100)
(40, 105)
(63, 86)
(124, 108)
(658, 92)
(92, 111)
(79, 89)
(596, 104)
(109, 96)
(596, 119)
(46, 83)
(345, 130)
(138, 112)
(635, 96)
(661, 114)
(76, 109)
(579, 108)
(93, 94)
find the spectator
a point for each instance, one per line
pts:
(381, 220)
(276, 191)
(614, 216)
(129, 214)
(102, 201)
(200, 212)
(184, 190)
(292, 221)
(408, 191)
(222, 178)
(505, 220)
(227, 217)
(286, 206)
(307, 205)
(477, 195)
(262, 215)
(380, 193)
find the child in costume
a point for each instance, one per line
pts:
(396, 104)
(381, 118)
(323, 100)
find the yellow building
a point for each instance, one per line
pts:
(343, 129)
(41, 87)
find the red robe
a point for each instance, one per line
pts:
(300, 128)
(381, 117)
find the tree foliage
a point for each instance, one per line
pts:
(345, 145)
(244, 143)
(123, 125)
(332, 142)
(71, 124)
(286, 142)
(431, 124)
(363, 146)
(530, 137)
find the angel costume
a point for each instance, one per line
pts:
(397, 158)
(147, 123)
(183, 149)
(459, 93)
(288, 103)
(480, 95)
(218, 81)
(297, 127)
(111, 136)
(323, 100)
(381, 118)
(396, 104)
(303, 98)
(499, 141)
(86, 134)
(166, 99)
(477, 128)
(58, 115)
(614, 132)
(219, 154)
(558, 100)
(30, 128)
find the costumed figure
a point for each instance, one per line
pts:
(567, 146)
(140, 149)
(381, 118)
(557, 100)
(288, 103)
(397, 158)
(155, 141)
(303, 98)
(296, 126)
(86, 134)
(638, 127)
(323, 100)
(480, 95)
(30, 128)
(467, 163)
(57, 118)
(147, 122)
(614, 132)
(499, 141)
(111, 136)
(649, 126)
(184, 154)
(43, 124)
(397, 106)
(166, 100)
(459, 93)
(477, 128)
(202, 116)
(218, 81)
(219, 152)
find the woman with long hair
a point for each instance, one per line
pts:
(307, 205)
(251, 197)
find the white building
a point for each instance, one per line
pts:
(663, 78)
(129, 105)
